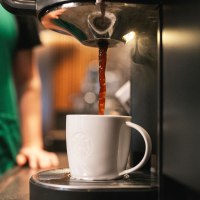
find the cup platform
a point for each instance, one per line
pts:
(57, 184)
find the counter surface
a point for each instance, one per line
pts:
(14, 185)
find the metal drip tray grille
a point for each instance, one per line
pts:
(60, 179)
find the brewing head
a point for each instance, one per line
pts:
(86, 22)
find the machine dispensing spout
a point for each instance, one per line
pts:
(91, 22)
(101, 25)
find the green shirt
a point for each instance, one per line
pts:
(9, 121)
(15, 33)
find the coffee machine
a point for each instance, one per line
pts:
(111, 23)
(84, 21)
(164, 91)
(164, 99)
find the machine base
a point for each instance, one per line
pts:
(57, 184)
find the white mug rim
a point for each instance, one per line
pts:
(100, 116)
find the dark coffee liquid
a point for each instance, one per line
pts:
(103, 46)
(102, 78)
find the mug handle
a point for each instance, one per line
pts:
(148, 148)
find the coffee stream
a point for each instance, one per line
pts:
(102, 78)
(103, 46)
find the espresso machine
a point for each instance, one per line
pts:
(164, 91)
(110, 23)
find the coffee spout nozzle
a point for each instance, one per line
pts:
(87, 22)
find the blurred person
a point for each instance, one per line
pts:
(21, 139)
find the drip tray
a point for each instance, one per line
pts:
(57, 184)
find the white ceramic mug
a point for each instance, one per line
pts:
(98, 146)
